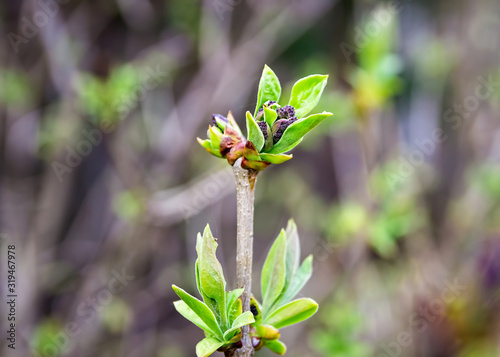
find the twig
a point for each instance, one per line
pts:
(245, 189)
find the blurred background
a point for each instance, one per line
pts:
(103, 186)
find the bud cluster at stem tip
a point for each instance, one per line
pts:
(273, 129)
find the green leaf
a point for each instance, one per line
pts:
(292, 313)
(207, 346)
(205, 143)
(269, 88)
(235, 310)
(255, 135)
(188, 313)
(275, 158)
(267, 332)
(231, 297)
(296, 131)
(208, 301)
(244, 319)
(299, 279)
(285, 149)
(276, 346)
(292, 251)
(197, 274)
(202, 310)
(273, 273)
(215, 137)
(232, 310)
(211, 277)
(270, 116)
(306, 93)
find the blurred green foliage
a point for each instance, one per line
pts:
(109, 99)
(15, 89)
(341, 329)
(45, 339)
(376, 79)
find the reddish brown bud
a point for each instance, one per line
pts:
(254, 165)
(236, 151)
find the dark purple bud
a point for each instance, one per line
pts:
(280, 126)
(263, 127)
(279, 131)
(260, 114)
(286, 112)
(220, 117)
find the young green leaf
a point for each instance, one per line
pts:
(207, 346)
(267, 332)
(205, 143)
(296, 131)
(298, 281)
(269, 88)
(273, 273)
(215, 137)
(212, 304)
(276, 346)
(235, 310)
(244, 319)
(211, 277)
(306, 93)
(270, 116)
(188, 313)
(292, 251)
(282, 149)
(275, 158)
(292, 313)
(231, 297)
(201, 310)
(255, 135)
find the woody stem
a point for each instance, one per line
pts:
(245, 189)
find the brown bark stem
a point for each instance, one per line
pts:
(245, 189)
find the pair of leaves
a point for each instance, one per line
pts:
(282, 279)
(220, 313)
(210, 344)
(305, 95)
